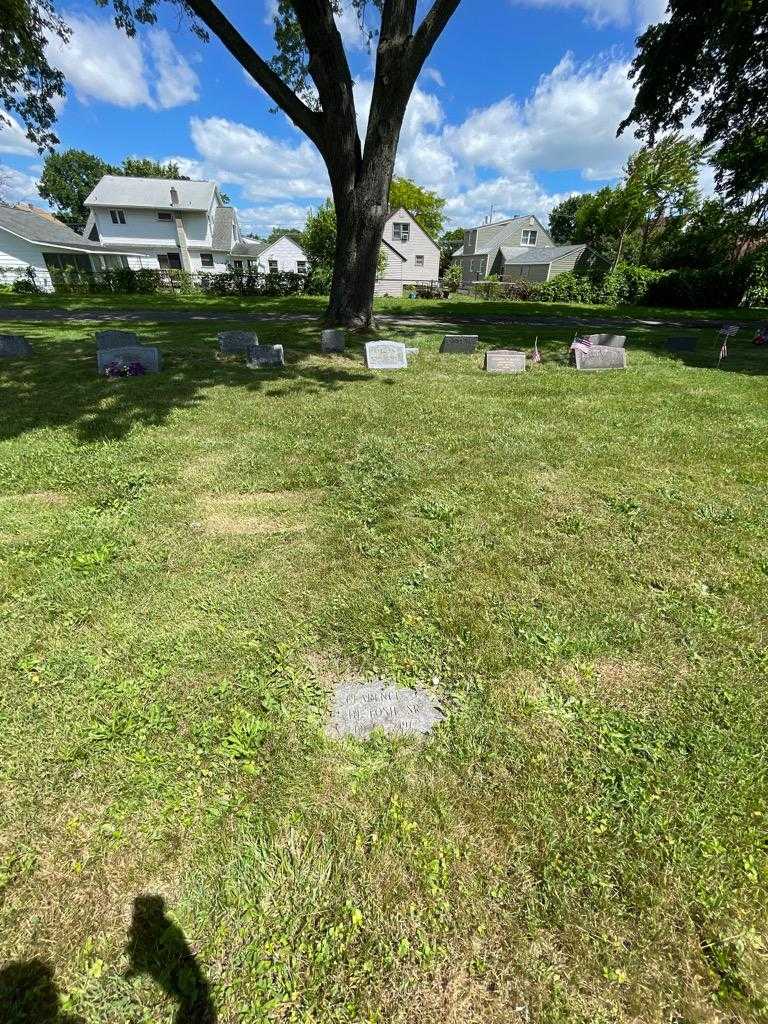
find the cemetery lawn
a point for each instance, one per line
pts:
(576, 564)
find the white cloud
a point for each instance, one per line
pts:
(13, 137)
(102, 63)
(17, 186)
(434, 76)
(606, 12)
(260, 220)
(176, 83)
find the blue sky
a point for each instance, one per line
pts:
(517, 108)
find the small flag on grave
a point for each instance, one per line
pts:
(536, 355)
(725, 332)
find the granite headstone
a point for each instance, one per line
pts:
(236, 342)
(259, 356)
(13, 345)
(600, 357)
(504, 360)
(147, 355)
(332, 340)
(361, 707)
(116, 339)
(385, 355)
(608, 340)
(681, 344)
(460, 344)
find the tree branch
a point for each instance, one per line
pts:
(309, 121)
(429, 31)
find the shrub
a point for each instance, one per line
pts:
(452, 277)
(318, 281)
(567, 287)
(25, 287)
(697, 289)
(626, 285)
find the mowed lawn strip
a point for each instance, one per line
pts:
(575, 563)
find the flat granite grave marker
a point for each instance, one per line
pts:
(459, 344)
(147, 355)
(600, 357)
(116, 339)
(361, 707)
(332, 340)
(13, 345)
(684, 344)
(608, 340)
(504, 360)
(385, 355)
(234, 342)
(259, 356)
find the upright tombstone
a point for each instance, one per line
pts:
(459, 344)
(385, 355)
(260, 356)
(146, 355)
(332, 340)
(600, 357)
(681, 344)
(607, 340)
(236, 342)
(504, 360)
(14, 346)
(116, 339)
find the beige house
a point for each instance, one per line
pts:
(519, 247)
(411, 255)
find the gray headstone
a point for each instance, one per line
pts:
(463, 344)
(232, 342)
(12, 345)
(385, 355)
(116, 339)
(258, 356)
(411, 351)
(608, 340)
(332, 340)
(147, 355)
(681, 344)
(360, 707)
(601, 357)
(505, 360)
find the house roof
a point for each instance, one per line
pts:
(527, 254)
(223, 222)
(139, 193)
(394, 250)
(45, 230)
(254, 249)
(490, 236)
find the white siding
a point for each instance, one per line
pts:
(390, 281)
(143, 228)
(221, 262)
(419, 244)
(286, 252)
(16, 255)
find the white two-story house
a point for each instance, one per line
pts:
(280, 255)
(411, 255)
(181, 225)
(518, 247)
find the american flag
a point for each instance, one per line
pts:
(536, 355)
(726, 331)
(582, 344)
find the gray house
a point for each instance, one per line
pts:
(520, 247)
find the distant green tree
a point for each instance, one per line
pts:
(427, 207)
(143, 167)
(318, 238)
(562, 219)
(278, 232)
(67, 180)
(449, 242)
(711, 236)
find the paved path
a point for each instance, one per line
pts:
(49, 315)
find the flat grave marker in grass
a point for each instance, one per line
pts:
(684, 344)
(259, 356)
(116, 339)
(146, 355)
(361, 707)
(234, 342)
(14, 346)
(459, 344)
(332, 340)
(505, 360)
(385, 355)
(600, 357)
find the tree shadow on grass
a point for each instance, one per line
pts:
(158, 947)
(28, 995)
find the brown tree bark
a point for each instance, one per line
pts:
(360, 176)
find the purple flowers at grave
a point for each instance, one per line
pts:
(118, 369)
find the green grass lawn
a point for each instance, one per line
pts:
(456, 306)
(576, 563)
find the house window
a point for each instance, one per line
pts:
(529, 237)
(164, 215)
(93, 234)
(401, 232)
(67, 261)
(206, 259)
(273, 266)
(419, 261)
(301, 266)
(237, 264)
(475, 266)
(169, 260)
(118, 216)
